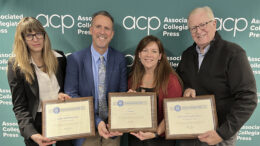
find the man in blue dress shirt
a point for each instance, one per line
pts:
(95, 71)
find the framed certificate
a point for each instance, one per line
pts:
(188, 117)
(73, 118)
(132, 112)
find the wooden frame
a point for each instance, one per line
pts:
(126, 105)
(68, 116)
(185, 116)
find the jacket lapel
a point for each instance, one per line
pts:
(35, 87)
(59, 76)
(109, 66)
(89, 71)
(195, 58)
(207, 61)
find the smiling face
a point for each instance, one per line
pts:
(202, 36)
(102, 32)
(150, 56)
(36, 44)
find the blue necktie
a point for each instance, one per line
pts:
(102, 102)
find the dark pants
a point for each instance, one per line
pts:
(161, 141)
(38, 127)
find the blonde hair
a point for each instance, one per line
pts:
(22, 53)
(206, 9)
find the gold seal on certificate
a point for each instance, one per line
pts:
(131, 112)
(71, 119)
(187, 117)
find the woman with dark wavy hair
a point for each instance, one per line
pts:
(152, 72)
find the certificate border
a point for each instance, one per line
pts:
(153, 98)
(188, 136)
(73, 136)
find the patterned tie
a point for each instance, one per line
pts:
(102, 102)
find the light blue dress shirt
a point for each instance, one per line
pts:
(201, 55)
(95, 63)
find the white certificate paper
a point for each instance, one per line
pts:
(131, 112)
(190, 116)
(67, 118)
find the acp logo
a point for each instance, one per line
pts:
(177, 108)
(120, 103)
(232, 24)
(129, 60)
(142, 23)
(56, 110)
(56, 21)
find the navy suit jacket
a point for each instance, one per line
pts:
(79, 81)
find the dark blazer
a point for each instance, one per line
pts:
(226, 73)
(25, 96)
(79, 81)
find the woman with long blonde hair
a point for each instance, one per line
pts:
(35, 73)
(152, 72)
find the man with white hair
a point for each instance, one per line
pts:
(215, 66)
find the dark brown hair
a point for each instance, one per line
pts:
(162, 71)
(103, 13)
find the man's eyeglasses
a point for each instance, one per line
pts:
(38, 35)
(200, 26)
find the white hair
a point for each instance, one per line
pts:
(205, 9)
